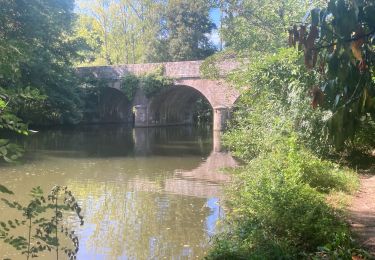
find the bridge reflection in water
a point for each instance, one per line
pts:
(145, 193)
(202, 181)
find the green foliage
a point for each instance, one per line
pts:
(151, 84)
(12, 123)
(121, 31)
(90, 93)
(36, 56)
(131, 31)
(256, 27)
(9, 152)
(129, 85)
(4, 189)
(364, 139)
(277, 204)
(323, 175)
(187, 26)
(202, 112)
(9, 122)
(154, 83)
(276, 101)
(339, 46)
(277, 208)
(340, 248)
(209, 67)
(43, 220)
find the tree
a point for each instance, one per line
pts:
(88, 29)
(339, 45)
(144, 24)
(126, 29)
(130, 31)
(8, 121)
(188, 26)
(258, 26)
(37, 53)
(100, 23)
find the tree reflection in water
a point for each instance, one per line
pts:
(145, 193)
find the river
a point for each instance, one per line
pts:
(145, 193)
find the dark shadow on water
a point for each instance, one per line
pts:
(107, 141)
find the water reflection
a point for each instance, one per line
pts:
(146, 193)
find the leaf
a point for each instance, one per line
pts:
(4, 189)
(357, 44)
(315, 16)
(357, 52)
(369, 12)
(335, 125)
(363, 101)
(4, 142)
(337, 99)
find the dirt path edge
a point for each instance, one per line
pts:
(362, 213)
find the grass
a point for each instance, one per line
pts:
(287, 204)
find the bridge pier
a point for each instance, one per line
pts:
(189, 81)
(221, 117)
(141, 116)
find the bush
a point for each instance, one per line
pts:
(130, 84)
(277, 204)
(151, 84)
(276, 209)
(326, 176)
(276, 102)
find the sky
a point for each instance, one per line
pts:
(215, 18)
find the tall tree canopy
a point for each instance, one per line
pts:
(250, 26)
(119, 31)
(130, 31)
(37, 52)
(188, 24)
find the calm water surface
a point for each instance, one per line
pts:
(145, 193)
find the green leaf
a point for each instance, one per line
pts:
(4, 189)
(315, 17)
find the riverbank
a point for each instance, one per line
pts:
(287, 201)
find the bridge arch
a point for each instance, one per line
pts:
(187, 76)
(177, 105)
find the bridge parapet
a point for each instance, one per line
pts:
(176, 70)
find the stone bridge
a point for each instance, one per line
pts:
(174, 105)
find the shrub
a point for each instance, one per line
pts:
(151, 84)
(277, 204)
(276, 102)
(276, 209)
(326, 176)
(130, 84)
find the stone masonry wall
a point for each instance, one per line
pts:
(177, 70)
(219, 94)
